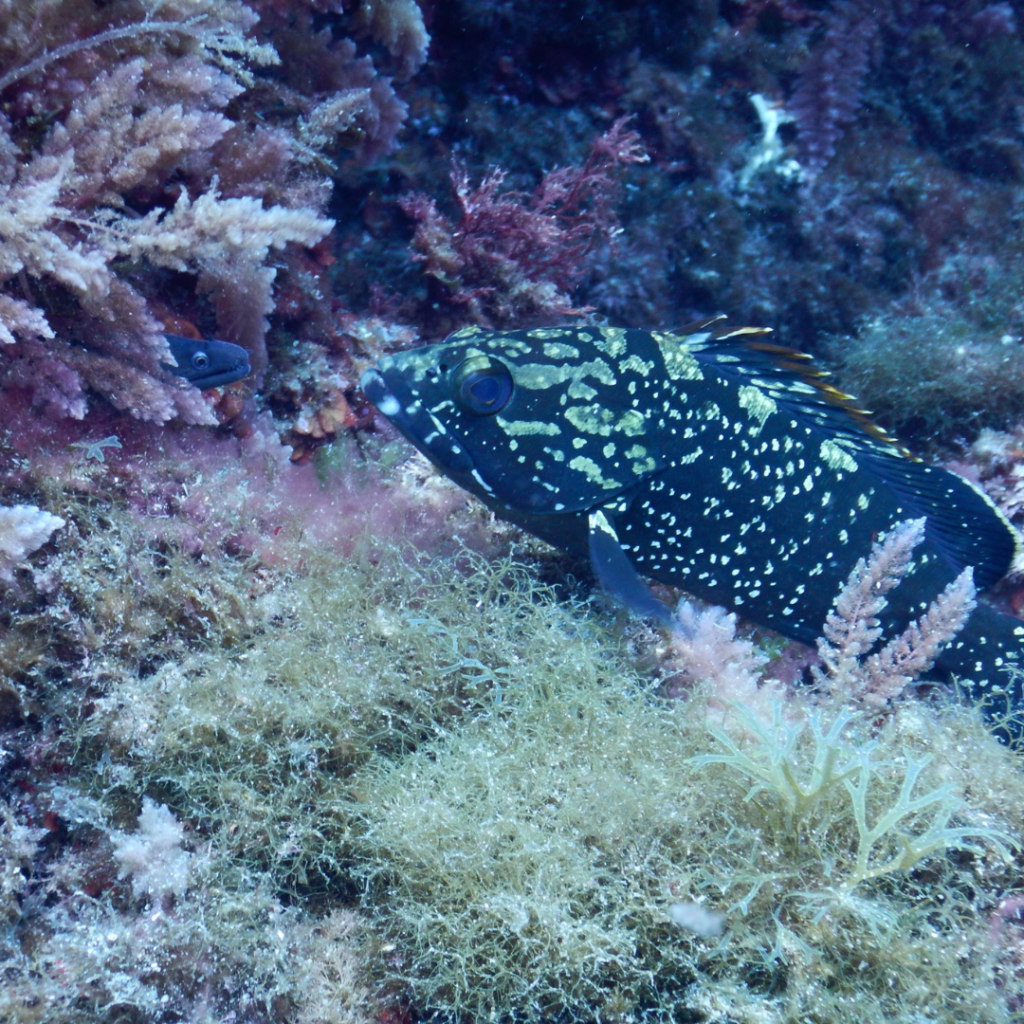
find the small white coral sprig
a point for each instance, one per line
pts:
(23, 529)
(853, 627)
(153, 856)
(704, 650)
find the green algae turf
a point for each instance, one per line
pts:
(486, 777)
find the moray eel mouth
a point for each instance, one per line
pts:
(420, 427)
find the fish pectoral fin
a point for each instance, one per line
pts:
(617, 574)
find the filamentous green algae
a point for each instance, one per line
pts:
(333, 787)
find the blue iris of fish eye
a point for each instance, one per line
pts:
(200, 360)
(482, 385)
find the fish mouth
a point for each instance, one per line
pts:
(420, 427)
(228, 376)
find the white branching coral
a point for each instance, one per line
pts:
(211, 230)
(704, 650)
(152, 857)
(853, 628)
(32, 209)
(23, 529)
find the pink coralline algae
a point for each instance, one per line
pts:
(139, 178)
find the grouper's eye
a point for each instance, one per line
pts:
(200, 361)
(482, 385)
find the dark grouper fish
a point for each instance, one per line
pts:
(703, 458)
(207, 364)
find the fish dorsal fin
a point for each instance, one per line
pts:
(803, 367)
(698, 325)
(961, 520)
(789, 376)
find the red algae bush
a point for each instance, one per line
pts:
(512, 259)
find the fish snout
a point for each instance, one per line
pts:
(376, 390)
(418, 425)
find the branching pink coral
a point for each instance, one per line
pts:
(828, 92)
(512, 258)
(398, 26)
(854, 628)
(704, 650)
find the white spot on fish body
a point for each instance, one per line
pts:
(481, 481)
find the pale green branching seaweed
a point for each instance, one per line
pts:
(794, 788)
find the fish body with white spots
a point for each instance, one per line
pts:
(703, 458)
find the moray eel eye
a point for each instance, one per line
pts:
(200, 361)
(482, 385)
